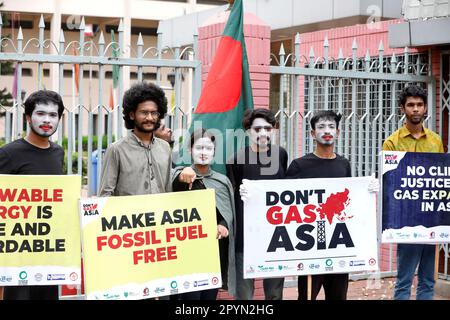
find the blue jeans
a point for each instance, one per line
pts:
(408, 257)
(273, 287)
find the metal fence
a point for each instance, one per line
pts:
(102, 121)
(363, 90)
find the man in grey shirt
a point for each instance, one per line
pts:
(139, 163)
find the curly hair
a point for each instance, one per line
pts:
(139, 93)
(326, 115)
(251, 115)
(41, 97)
(412, 91)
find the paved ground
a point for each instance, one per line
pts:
(382, 289)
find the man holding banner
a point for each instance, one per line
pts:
(414, 137)
(200, 176)
(35, 155)
(322, 163)
(261, 160)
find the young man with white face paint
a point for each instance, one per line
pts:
(35, 155)
(201, 176)
(322, 163)
(261, 160)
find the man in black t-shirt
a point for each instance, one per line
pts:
(35, 155)
(259, 161)
(322, 163)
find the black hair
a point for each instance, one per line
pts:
(251, 115)
(201, 133)
(327, 115)
(412, 91)
(43, 96)
(139, 93)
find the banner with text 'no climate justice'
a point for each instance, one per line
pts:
(39, 230)
(309, 226)
(138, 247)
(416, 197)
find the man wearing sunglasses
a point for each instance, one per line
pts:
(262, 160)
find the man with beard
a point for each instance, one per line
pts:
(35, 155)
(139, 163)
(322, 163)
(262, 160)
(414, 137)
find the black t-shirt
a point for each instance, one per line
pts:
(21, 157)
(311, 166)
(247, 164)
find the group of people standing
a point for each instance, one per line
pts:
(141, 163)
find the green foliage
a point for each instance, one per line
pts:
(75, 165)
(85, 142)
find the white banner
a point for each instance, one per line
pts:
(309, 226)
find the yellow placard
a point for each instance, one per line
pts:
(39, 230)
(138, 247)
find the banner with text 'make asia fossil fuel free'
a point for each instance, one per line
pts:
(138, 247)
(39, 230)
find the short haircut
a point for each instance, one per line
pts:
(326, 115)
(412, 91)
(43, 97)
(139, 93)
(251, 115)
(201, 133)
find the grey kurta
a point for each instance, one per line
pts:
(225, 204)
(131, 168)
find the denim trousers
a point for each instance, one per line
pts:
(273, 287)
(409, 256)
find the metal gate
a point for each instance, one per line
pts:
(364, 90)
(104, 124)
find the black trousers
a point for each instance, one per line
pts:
(334, 285)
(30, 293)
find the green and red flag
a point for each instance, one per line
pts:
(227, 92)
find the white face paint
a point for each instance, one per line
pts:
(325, 132)
(44, 119)
(203, 151)
(261, 132)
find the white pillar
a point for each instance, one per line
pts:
(55, 30)
(126, 54)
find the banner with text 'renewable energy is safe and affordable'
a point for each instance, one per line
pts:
(416, 197)
(309, 226)
(138, 247)
(39, 230)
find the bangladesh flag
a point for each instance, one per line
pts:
(227, 92)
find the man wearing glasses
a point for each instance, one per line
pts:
(139, 163)
(262, 160)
